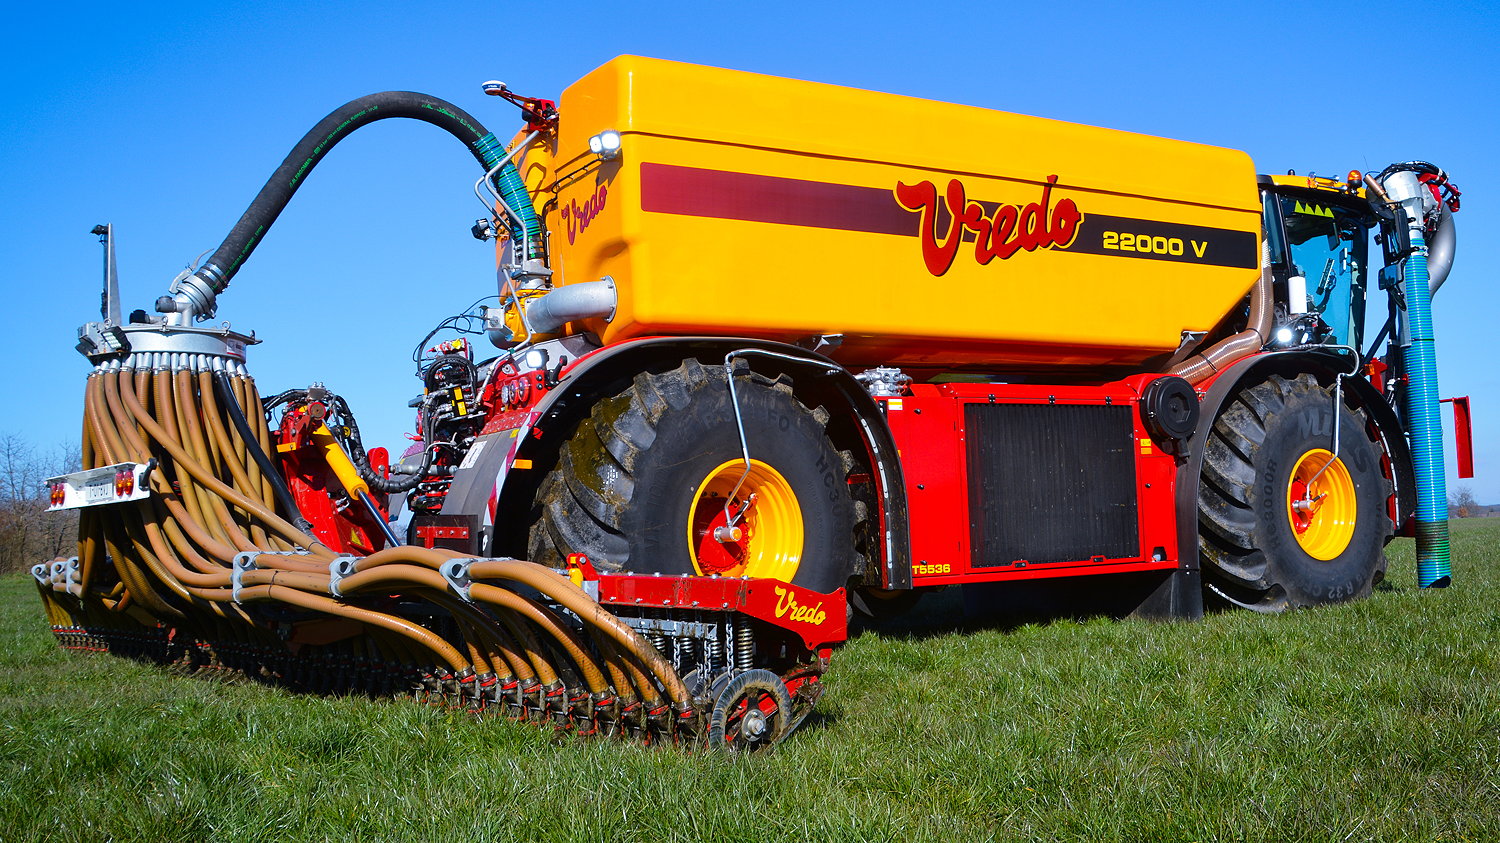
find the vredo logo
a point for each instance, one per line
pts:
(786, 604)
(579, 216)
(999, 231)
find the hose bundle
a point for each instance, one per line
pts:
(214, 554)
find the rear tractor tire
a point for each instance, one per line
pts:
(641, 485)
(1283, 523)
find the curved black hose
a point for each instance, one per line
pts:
(355, 446)
(1411, 167)
(277, 400)
(278, 190)
(278, 483)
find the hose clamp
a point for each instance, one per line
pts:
(456, 572)
(243, 561)
(339, 568)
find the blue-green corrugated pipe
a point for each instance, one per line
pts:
(1433, 563)
(513, 191)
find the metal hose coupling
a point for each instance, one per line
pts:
(192, 297)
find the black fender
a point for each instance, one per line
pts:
(1325, 365)
(608, 370)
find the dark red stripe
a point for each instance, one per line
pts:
(691, 191)
(694, 192)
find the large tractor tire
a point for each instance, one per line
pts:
(1283, 523)
(641, 485)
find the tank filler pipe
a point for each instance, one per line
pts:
(194, 296)
(1434, 565)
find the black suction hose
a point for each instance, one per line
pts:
(355, 446)
(268, 204)
(278, 483)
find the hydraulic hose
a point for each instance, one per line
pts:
(1433, 560)
(197, 293)
(355, 447)
(252, 443)
(518, 200)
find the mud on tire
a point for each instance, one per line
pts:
(627, 479)
(1251, 553)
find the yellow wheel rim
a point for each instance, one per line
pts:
(768, 541)
(1321, 505)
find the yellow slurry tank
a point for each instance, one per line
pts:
(758, 206)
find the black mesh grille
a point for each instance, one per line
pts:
(1050, 483)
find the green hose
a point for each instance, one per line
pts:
(513, 191)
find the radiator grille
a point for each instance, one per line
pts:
(1050, 483)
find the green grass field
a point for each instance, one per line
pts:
(1378, 720)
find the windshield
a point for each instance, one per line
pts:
(1328, 245)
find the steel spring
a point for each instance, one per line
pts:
(744, 647)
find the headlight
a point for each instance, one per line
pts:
(606, 144)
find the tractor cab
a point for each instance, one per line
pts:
(1318, 230)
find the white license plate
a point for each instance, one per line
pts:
(99, 490)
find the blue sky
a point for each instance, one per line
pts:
(165, 120)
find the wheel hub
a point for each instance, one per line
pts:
(754, 725)
(757, 533)
(1321, 504)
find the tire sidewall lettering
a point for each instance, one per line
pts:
(702, 436)
(1305, 424)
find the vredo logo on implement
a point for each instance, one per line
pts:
(999, 231)
(786, 602)
(579, 216)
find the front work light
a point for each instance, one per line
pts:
(606, 144)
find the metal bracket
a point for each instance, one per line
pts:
(488, 181)
(688, 629)
(731, 519)
(456, 572)
(1338, 401)
(339, 568)
(243, 561)
(71, 572)
(39, 572)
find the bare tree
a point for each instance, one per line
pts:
(28, 533)
(1461, 499)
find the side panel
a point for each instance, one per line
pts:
(1017, 482)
